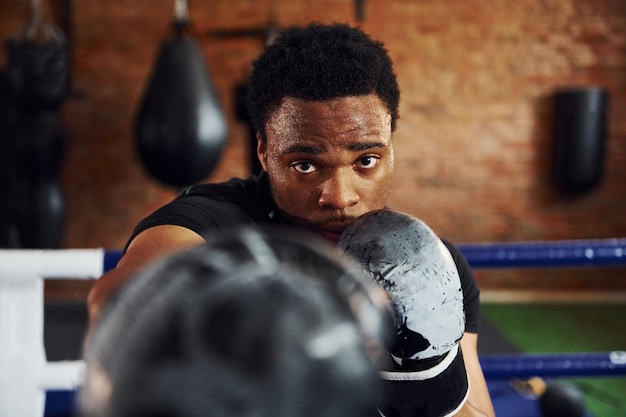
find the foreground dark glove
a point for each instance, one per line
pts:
(254, 323)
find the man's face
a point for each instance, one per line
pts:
(328, 162)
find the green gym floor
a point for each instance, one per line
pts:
(569, 328)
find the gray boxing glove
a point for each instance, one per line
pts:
(405, 256)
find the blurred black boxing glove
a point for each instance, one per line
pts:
(254, 323)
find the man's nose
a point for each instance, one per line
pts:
(339, 191)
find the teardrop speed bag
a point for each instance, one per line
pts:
(180, 129)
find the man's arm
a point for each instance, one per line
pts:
(151, 244)
(479, 401)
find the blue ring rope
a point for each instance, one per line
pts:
(556, 254)
(559, 254)
(554, 365)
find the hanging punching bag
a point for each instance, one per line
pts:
(241, 111)
(7, 119)
(38, 204)
(37, 73)
(580, 136)
(180, 129)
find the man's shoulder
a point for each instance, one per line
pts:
(250, 196)
(252, 185)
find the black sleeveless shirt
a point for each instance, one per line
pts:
(212, 208)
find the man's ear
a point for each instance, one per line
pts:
(261, 151)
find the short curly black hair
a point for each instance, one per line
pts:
(320, 62)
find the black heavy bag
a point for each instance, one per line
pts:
(7, 122)
(37, 77)
(38, 73)
(580, 136)
(241, 111)
(180, 129)
(38, 65)
(38, 205)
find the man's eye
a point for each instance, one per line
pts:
(368, 162)
(304, 167)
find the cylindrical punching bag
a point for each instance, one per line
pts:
(180, 129)
(7, 122)
(38, 72)
(580, 138)
(38, 152)
(37, 75)
(241, 111)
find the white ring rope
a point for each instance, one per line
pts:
(25, 375)
(51, 264)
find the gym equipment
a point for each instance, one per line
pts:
(579, 137)
(241, 111)
(38, 63)
(7, 116)
(404, 255)
(410, 262)
(257, 322)
(561, 399)
(37, 76)
(26, 376)
(240, 92)
(555, 364)
(38, 204)
(549, 254)
(180, 130)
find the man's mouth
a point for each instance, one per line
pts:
(331, 235)
(332, 232)
(331, 229)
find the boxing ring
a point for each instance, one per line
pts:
(32, 387)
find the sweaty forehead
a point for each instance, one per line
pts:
(298, 119)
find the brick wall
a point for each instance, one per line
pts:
(473, 144)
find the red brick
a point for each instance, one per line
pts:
(474, 140)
